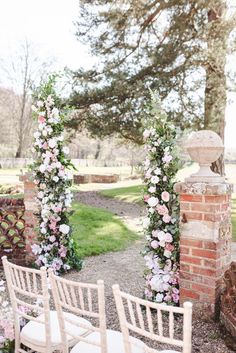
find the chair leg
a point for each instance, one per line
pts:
(17, 344)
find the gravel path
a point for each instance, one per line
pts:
(126, 268)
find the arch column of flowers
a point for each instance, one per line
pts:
(52, 175)
(161, 223)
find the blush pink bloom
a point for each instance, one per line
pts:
(45, 145)
(154, 244)
(41, 119)
(145, 198)
(175, 297)
(168, 237)
(166, 218)
(162, 210)
(169, 247)
(165, 196)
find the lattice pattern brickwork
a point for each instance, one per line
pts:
(12, 226)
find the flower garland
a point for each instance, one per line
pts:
(55, 247)
(161, 224)
(7, 334)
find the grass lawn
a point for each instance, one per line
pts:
(128, 194)
(98, 231)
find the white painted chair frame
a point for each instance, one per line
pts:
(139, 327)
(64, 293)
(23, 281)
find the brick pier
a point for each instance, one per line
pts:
(205, 241)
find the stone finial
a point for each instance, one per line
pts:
(204, 147)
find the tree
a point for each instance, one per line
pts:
(175, 47)
(21, 74)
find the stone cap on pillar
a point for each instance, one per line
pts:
(201, 188)
(205, 147)
(27, 177)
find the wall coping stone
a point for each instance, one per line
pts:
(203, 188)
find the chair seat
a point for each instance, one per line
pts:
(34, 332)
(114, 344)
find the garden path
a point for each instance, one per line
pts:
(126, 268)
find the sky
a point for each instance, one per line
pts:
(48, 24)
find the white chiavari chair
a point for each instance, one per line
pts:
(88, 300)
(153, 321)
(29, 295)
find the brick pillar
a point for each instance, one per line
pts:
(31, 220)
(205, 241)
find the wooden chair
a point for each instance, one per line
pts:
(88, 300)
(29, 295)
(137, 314)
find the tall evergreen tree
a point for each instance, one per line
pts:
(176, 47)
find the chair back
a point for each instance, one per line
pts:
(152, 320)
(29, 295)
(81, 299)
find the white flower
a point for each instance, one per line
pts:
(151, 210)
(156, 284)
(167, 253)
(42, 168)
(159, 298)
(146, 133)
(154, 179)
(36, 249)
(55, 178)
(52, 143)
(64, 228)
(65, 150)
(152, 201)
(152, 189)
(157, 171)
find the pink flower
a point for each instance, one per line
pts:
(166, 218)
(45, 145)
(162, 210)
(175, 298)
(168, 238)
(41, 119)
(145, 198)
(169, 247)
(154, 244)
(165, 196)
(62, 251)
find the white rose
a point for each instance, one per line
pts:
(52, 143)
(152, 201)
(146, 133)
(64, 228)
(65, 149)
(154, 179)
(159, 298)
(152, 189)
(55, 178)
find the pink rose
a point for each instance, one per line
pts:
(145, 198)
(175, 298)
(166, 218)
(45, 145)
(162, 210)
(41, 119)
(169, 247)
(168, 238)
(165, 196)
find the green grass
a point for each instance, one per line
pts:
(131, 194)
(234, 218)
(98, 231)
(12, 196)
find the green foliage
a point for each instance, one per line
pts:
(177, 48)
(97, 231)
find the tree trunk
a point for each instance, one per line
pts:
(215, 89)
(98, 150)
